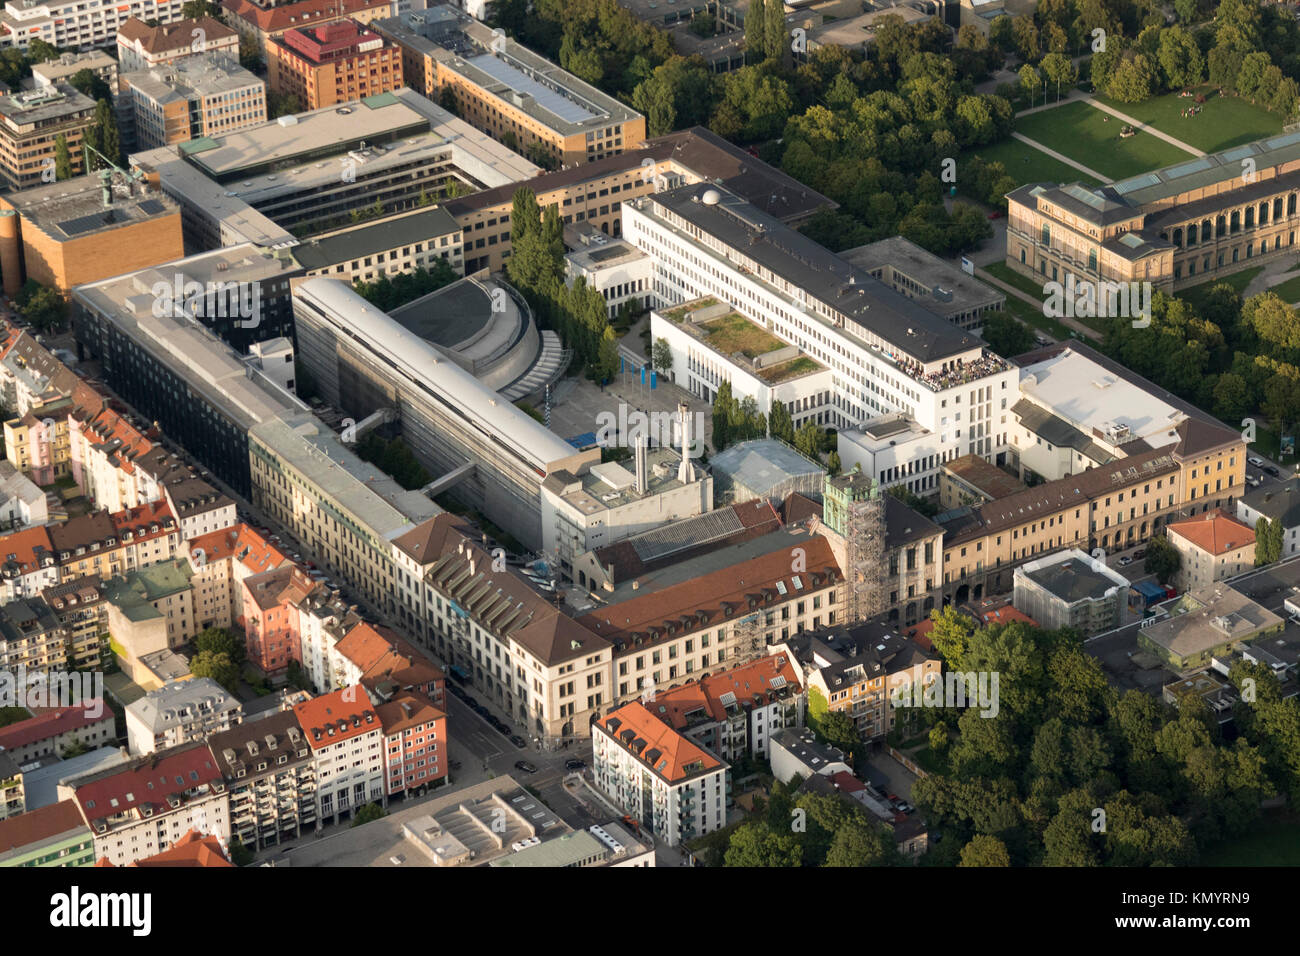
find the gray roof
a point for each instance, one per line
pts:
(1207, 171)
(393, 233)
(182, 702)
(1072, 581)
(762, 464)
(1275, 503)
(840, 286)
(1057, 431)
(40, 786)
(963, 292)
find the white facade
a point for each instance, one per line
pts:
(1248, 515)
(275, 358)
(674, 811)
(77, 24)
(179, 713)
(22, 503)
(701, 370)
(962, 397)
(350, 773)
(618, 271)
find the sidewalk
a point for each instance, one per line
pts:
(1075, 324)
(1139, 125)
(1060, 157)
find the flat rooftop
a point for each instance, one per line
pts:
(74, 208)
(1091, 398)
(946, 288)
(1201, 620)
(984, 476)
(609, 486)
(46, 104)
(206, 74)
(738, 339)
(355, 242)
(839, 286)
(1072, 580)
(512, 73)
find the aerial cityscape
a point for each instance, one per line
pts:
(650, 433)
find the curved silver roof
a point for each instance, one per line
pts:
(422, 363)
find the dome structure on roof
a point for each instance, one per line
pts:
(711, 197)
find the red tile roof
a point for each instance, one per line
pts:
(193, 849)
(25, 546)
(241, 542)
(147, 782)
(745, 682)
(342, 715)
(666, 752)
(407, 710)
(53, 723)
(43, 824)
(306, 12)
(1214, 532)
(145, 521)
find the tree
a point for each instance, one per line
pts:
(240, 855)
(755, 29)
(368, 814)
(676, 95)
(984, 850)
(1030, 81)
(87, 83)
(833, 464)
(218, 640)
(39, 51)
(859, 843)
(757, 844)
(780, 424)
(939, 737)
(106, 137)
(1059, 71)
(193, 9)
(217, 666)
(808, 440)
(702, 24)
(75, 748)
(40, 305)
(1025, 37)
(1133, 80)
(62, 158)
(1162, 559)
(951, 634)
(774, 35)
(661, 356)
(838, 729)
(1180, 58)
(1006, 335)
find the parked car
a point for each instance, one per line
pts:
(1125, 561)
(995, 214)
(518, 741)
(1257, 462)
(1139, 554)
(573, 765)
(1272, 470)
(525, 766)
(905, 807)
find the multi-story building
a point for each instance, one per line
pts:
(180, 713)
(669, 785)
(386, 154)
(221, 561)
(78, 24)
(390, 247)
(22, 502)
(260, 22)
(1201, 626)
(347, 744)
(55, 836)
(144, 47)
(798, 752)
(13, 792)
(67, 234)
(700, 614)
(1072, 589)
(934, 283)
(1280, 505)
(62, 68)
(1113, 508)
(497, 632)
(153, 607)
(336, 62)
(508, 91)
(732, 714)
(29, 566)
(269, 768)
(857, 670)
(53, 732)
(888, 355)
(198, 96)
(593, 193)
(1212, 546)
(143, 807)
(1172, 227)
(615, 268)
(363, 360)
(31, 123)
(270, 617)
(32, 637)
(81, 607)
(415, 744)
(38, 442)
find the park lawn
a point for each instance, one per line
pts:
(1288, 291)
(1195, 295)
(1022, 310)
(1223, 122)
(1025, 164)
(1091, 137)
(1273, 841)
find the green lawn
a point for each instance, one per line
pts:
(1195, 295)
(1288, 291)
(1022, 310)
(1274, 841)
(1090, 136)
(1028, 165)
(1223, 122)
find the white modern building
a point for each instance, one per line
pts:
(178, 713)
(615, 268)
(887, 354)
(77, 24)
(712, 343)
(22, 503)
(670, 786)
(1276, 505)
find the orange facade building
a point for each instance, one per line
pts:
(332, 63)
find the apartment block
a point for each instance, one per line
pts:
(81, 607)
(509, 92)
(65, 66)
(270, 617)
(259, 23)
(142, 47)
(31, 123)
(145, 806)
(347, 744)
(415, 744)
(271, 774)
(336, 62)
(31, 637)
(1281, 505)
(669, 785)
(50, 836)
(180, 713)
(79, 24)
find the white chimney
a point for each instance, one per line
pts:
(685, 472)
(640, 471)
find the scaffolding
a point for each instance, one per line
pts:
(748, 634)
(864, 533)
